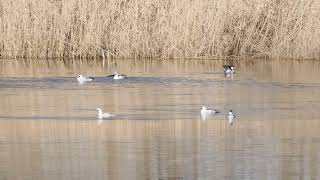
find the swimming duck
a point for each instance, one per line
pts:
(228, 69)
(231, 117)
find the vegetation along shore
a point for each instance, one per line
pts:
(159, 29)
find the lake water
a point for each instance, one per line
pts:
(49, 128)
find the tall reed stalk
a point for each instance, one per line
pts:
(159, 29)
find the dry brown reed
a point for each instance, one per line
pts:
(159, 29)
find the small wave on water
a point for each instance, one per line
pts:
(48, 118)
(70, 82)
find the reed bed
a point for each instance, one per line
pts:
(159, 29)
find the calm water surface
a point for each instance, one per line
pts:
(48, 127)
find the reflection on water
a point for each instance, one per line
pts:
(48, 127)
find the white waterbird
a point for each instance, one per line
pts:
(228, 69)
(231, 117)
(101, 115)
(207, 112)
(117, 76)
(82, 78)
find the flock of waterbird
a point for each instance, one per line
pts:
(205, 112)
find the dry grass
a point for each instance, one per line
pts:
(159, 29)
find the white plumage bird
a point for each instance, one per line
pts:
(117, 76)
(101, 115)
(207, 112)
(228, 69)
(231, 117)
(82, 78)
